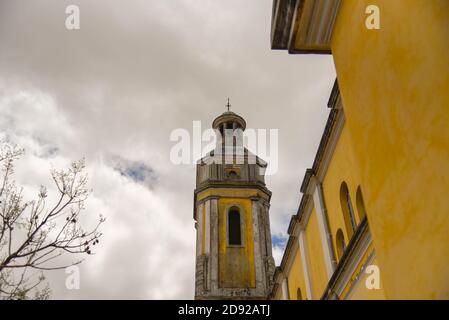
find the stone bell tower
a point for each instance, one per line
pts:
(231, 203)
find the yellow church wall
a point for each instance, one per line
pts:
(296, 278)
(236, 264)
(359, 290)
(394, 86)
(341, 169)
(316, 257)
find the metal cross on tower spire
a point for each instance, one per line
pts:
(228, 105)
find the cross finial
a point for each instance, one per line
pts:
(228, 105)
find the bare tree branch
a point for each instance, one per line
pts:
(33, 238)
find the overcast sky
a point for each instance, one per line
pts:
(114, 90)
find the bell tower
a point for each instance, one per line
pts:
(231, 204)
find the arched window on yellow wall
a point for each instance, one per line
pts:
(234, 227)
(347, 208)
(361, 210)
(340, 243)
(298, 294)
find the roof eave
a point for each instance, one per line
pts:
(303, 26)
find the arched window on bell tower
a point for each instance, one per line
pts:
(234, 227)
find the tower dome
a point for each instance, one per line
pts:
(229, 120)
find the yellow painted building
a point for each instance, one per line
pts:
(373, 222)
